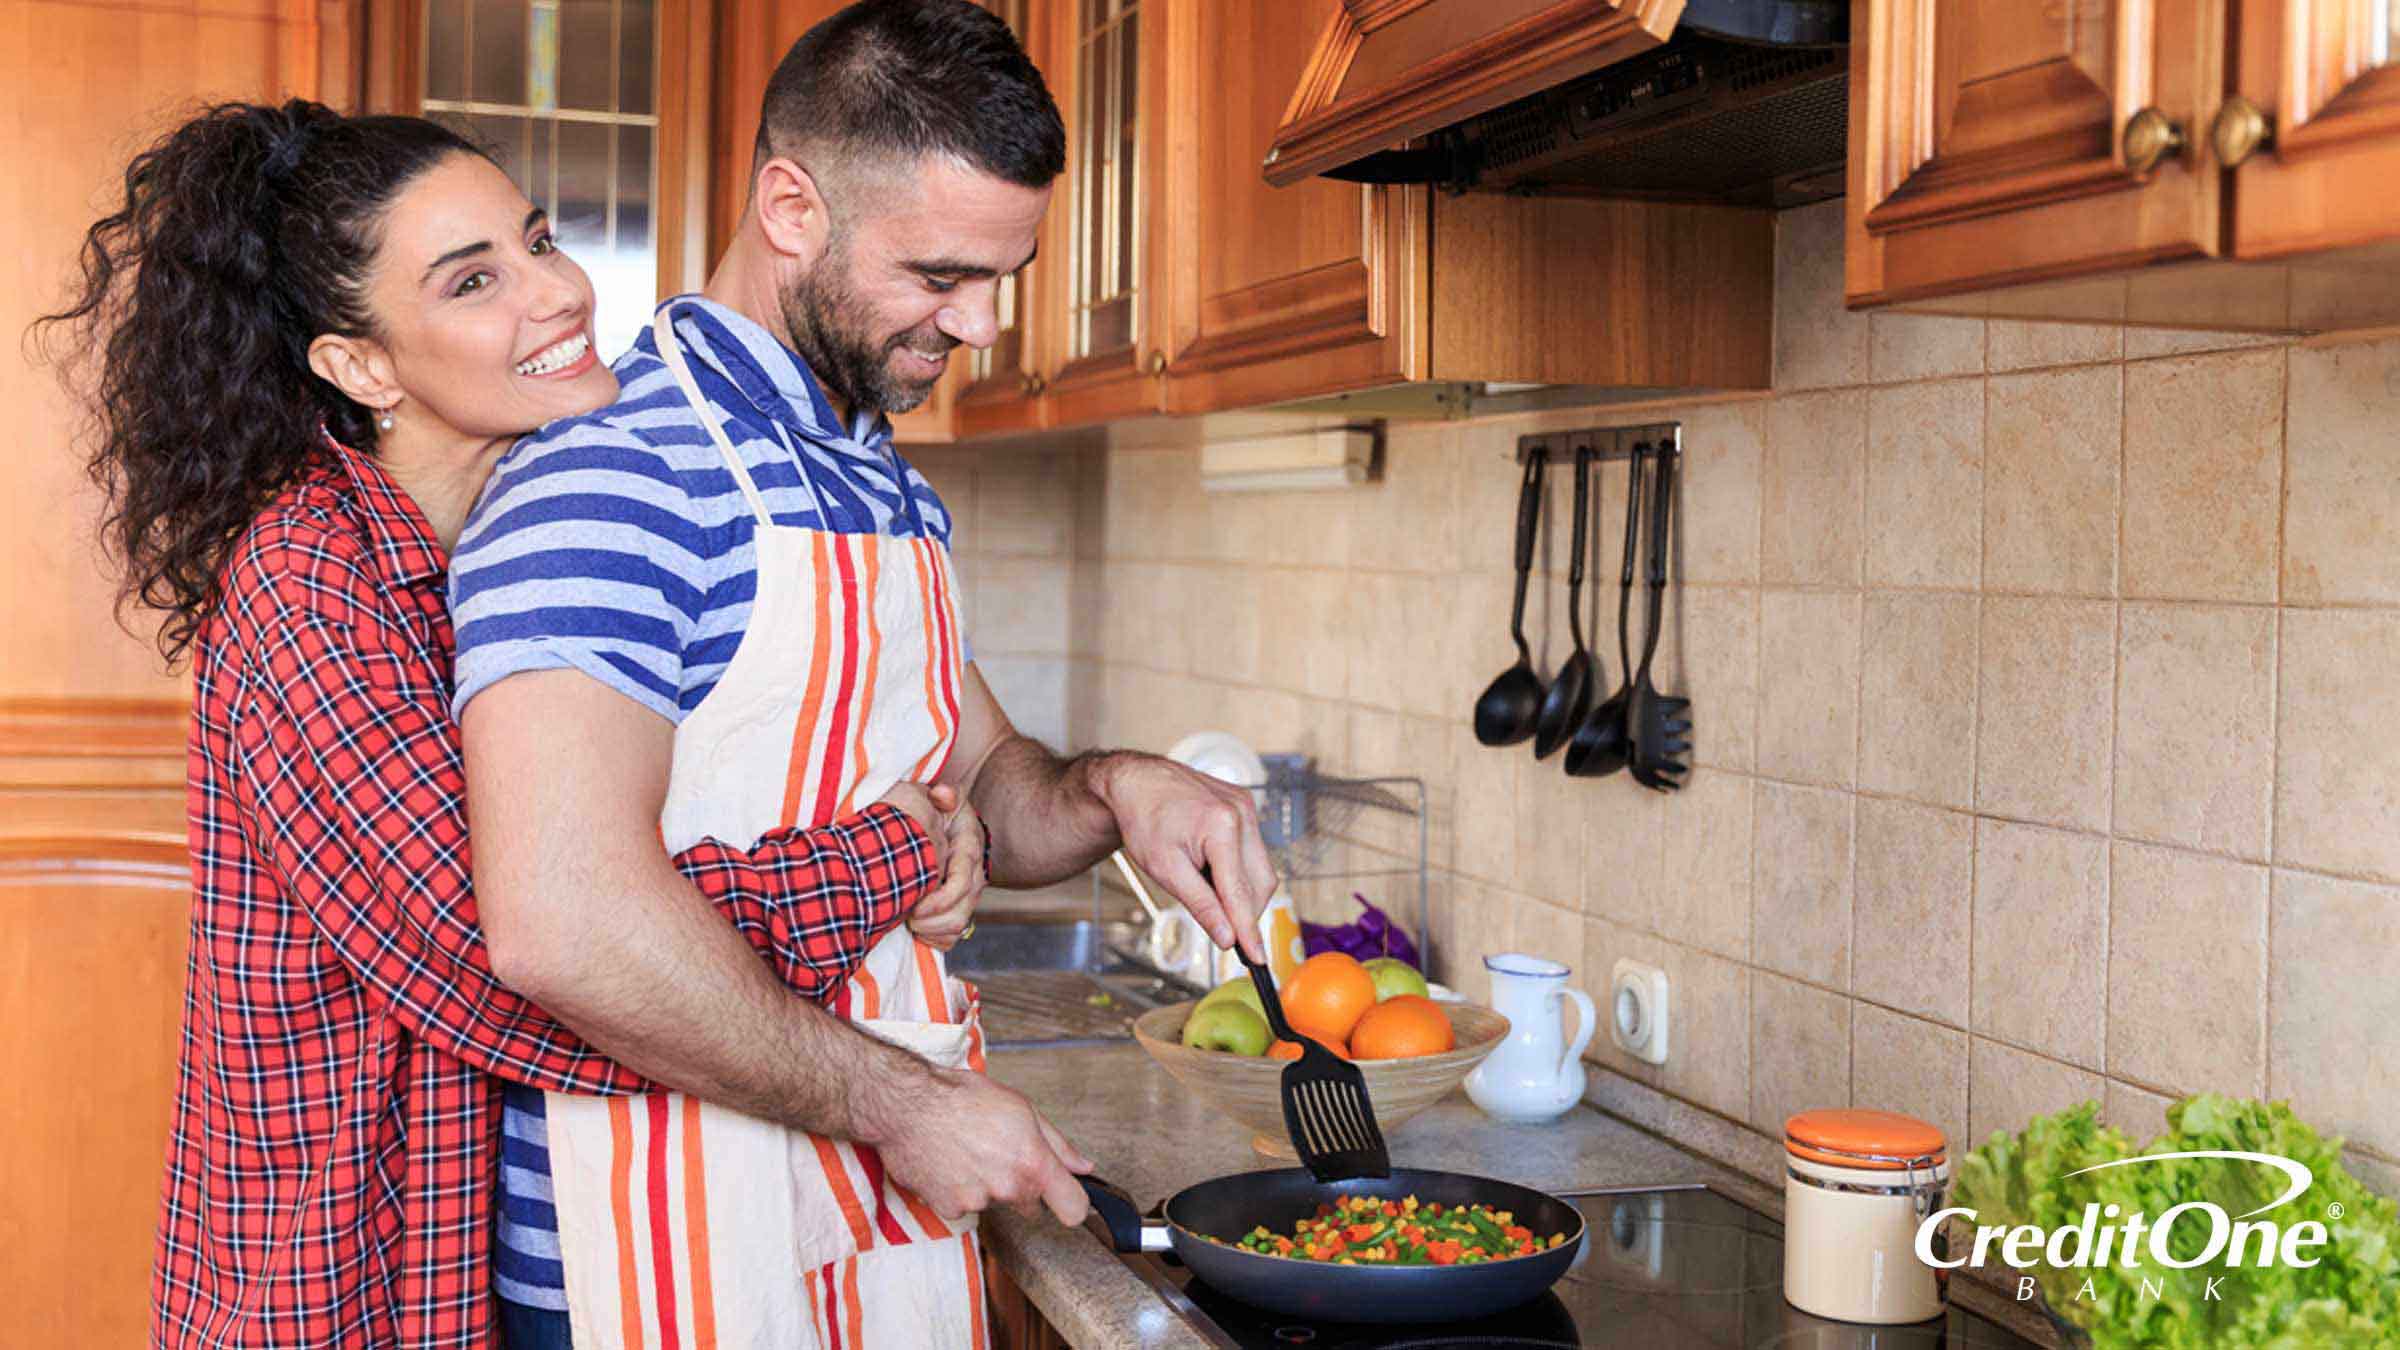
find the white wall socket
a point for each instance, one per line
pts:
(1637, 1010)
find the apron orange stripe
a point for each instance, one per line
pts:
(812, 703)
(937, 1004)
(937, 656)
(924, 1214)
(832, 773)
(850, 1309)
(837, 1178)
(695, 1218)
(870, 992)
(946, 613)
(866, 692)
(620, 1204)
(967, 1246)
(662, 1239)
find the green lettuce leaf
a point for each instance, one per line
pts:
(2349, 1300)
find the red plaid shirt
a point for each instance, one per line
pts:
(331, 1177)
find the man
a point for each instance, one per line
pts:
(724, 604)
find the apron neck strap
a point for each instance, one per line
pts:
(670, 350)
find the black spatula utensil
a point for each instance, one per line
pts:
(1506, 712)
(1604, 742)
(1570, 694)
(1325, 1105)
(1661, 723)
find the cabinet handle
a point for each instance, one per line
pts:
(1157, 365)
(2242, 130)
(2149, 139)
(1033, 385)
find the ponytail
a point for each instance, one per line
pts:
(244, 235)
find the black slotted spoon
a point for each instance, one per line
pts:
(1604, 742)
(1661, 724)
(1325, 1104)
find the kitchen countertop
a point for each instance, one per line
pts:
(1153, 1137)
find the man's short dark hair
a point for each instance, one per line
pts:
(903, 78)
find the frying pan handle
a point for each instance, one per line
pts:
(1126, 1231)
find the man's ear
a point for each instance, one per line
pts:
(790, 205)
(359, 367)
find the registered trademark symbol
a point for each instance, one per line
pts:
(2334, 1210)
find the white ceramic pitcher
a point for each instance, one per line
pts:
(1536, 1074)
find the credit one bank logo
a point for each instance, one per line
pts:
(2107, 1237)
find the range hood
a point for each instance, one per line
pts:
(1739, 102)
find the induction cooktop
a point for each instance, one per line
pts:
(1680, 1268)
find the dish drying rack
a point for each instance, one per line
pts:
(1324, 831)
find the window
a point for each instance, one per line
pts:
(562, 92)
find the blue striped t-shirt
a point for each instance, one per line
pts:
(620, 545)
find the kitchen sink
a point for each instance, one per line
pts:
(1060, 982)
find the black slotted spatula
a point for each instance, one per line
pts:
(1325, 1105)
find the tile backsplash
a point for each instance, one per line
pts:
(2046, 681)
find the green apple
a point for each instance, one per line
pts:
(1239, 989)
(1226, 1026)
(1394, 977)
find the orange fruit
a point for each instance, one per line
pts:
(1402, 1026)
(1326, 996)
(1291, 1049)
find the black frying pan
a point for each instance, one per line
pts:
(1230, 1206)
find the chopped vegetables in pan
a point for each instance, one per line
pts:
(1361, 1230)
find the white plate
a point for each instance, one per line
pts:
(1221, 754)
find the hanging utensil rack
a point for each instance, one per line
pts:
(1608, 443)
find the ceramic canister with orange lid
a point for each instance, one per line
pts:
(1857, 1183)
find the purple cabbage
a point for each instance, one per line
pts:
(1370, 935)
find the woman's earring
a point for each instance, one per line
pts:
(384, 423)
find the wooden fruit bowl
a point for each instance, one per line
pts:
(1250, 1088)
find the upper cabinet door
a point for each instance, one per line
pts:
(1000, 387)
(1384, 71)
(1276, 293)
(1995, 143)
(2312, 131)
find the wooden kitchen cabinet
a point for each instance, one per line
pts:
(2196, 163)
(1016, 1323)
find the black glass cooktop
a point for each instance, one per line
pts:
(1674, 1269)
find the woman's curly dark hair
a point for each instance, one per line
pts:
(245, 234)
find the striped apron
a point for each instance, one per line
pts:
(684, 1225)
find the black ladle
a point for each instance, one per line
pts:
(1603, 744)
(1505, 714)
(1570, 694)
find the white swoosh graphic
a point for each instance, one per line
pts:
(2297, 1172)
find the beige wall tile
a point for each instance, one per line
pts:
(2203, 469)
(1303, 628)
(2187, 971)
(2343, 491)
(2041, 939)
(1810, 489)
(2018, 344)
(1026, 502)
(1409, 518)
(1924, 484)
(2195, 757)
(1808, 713)
(1916, 713)
(1799, 1050)
(1718, 487)
(1904, 1064)
(1702, 898)
(2140, 1113)
(1487, 806)
(1817, 341)
(2050, 462)
(1230, 608)
(1020, 606)
(1480, 921)
(2337, 804)
(1456, 651)
(1033, 691)
(2045, 704)
(1288, 529)
(1550, 931)
(1922, 346)
(2333, 1003)
(1552, 812)
(1623, 867)
(1914, 909)
(1800, 910)
(1709, 654)
(2007, 1087)
(2141, 343)
(1605, 944)
(1708, 1030)
(1389, 618)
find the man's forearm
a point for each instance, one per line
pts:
(1047, 818)
(656, 980)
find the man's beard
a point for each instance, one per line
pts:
(827, 323)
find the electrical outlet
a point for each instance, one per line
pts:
(1637, 1010)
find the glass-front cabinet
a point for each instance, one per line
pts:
(1000, 387)
(2312, 129)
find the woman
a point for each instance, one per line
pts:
(314, 335)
